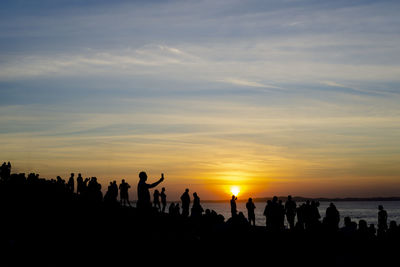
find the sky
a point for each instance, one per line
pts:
(275, 97)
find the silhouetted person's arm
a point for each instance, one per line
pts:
(156, 183)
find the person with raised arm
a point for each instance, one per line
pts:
(233, 206)
(144, 201)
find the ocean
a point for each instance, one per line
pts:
(356, 210)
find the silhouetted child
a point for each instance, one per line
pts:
(250, 211)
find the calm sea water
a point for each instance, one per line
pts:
(356, 210)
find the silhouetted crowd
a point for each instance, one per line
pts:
(309, 219)
(303, 217)
(83, 200)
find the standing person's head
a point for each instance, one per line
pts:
(163, 189)
(187, 190)
(143, 176)
(233, 197)
(250, 199)
(123, 181)
(380, 207)
(289, 197)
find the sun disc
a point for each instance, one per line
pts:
(235, 190)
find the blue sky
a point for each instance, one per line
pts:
(276, 95)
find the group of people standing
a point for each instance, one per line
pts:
(308, 216)
(275, 211)
(5, 170)
(144, 200)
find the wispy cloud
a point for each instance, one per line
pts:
(334, 84)
(247, 83)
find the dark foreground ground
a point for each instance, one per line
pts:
(45, 226)
(94, 236)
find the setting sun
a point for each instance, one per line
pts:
(235, 190)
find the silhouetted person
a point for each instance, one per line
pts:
(372, 230)
(185, 198)
(197, 209)
(267, 213)
(123, 193)
(71, 183)
(362, 231)
(94, 191)
(382, 219)
(5, 171)
(163, 199)
(314, 214)
(290, 210)
(171, 209)
(114, 190)
(307, 210)
(79, 184)
(349, 228)
(300, 215)
(177, 209)
(250, 211)
(33, 178)
(233, 206)
(281, 215)
(60, 182)
(156, 200)
(8, 170)
(393, 231)
(273, 213)
(110, 197)
(332, 217)
(85, 186)
(144, 201)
